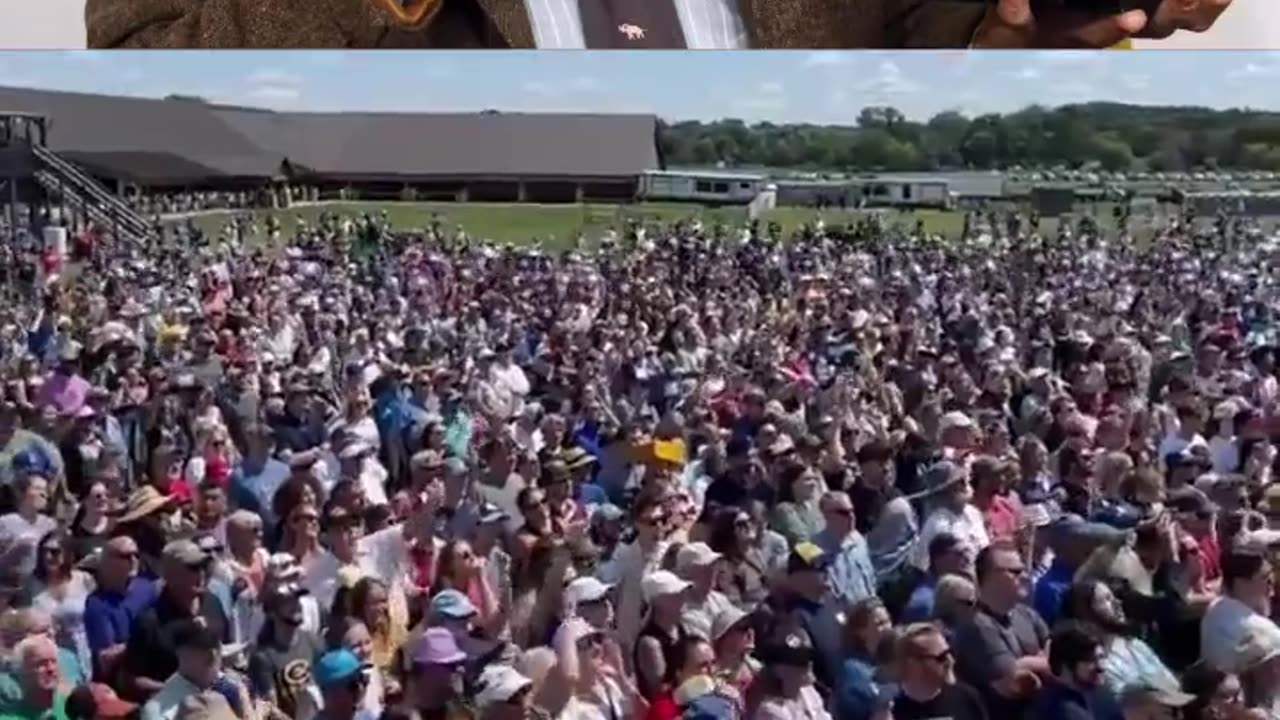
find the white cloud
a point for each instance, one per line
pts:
(890, 80)
(1254, 70)
(579, 86)
(274, 87)
(1027, 73)
(828, 58)
(275, 95)
(274, 76)
(770, 87)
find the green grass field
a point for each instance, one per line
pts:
(558, 225)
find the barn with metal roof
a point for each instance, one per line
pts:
(187, 142)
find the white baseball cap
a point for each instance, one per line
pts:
(586, 590)
(662, 583)
(955, 419)
(498, 684)
(697, 554)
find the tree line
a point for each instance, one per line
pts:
(1107, 136)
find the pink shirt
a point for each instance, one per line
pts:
(1002, 518)
(66, 393)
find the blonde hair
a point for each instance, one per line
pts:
(946, 603)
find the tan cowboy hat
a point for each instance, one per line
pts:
(143, 502)
(575, 458)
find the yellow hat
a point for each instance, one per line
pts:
(670, 451)
(173, 333)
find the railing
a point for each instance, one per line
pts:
(107, 218)
(114, 211)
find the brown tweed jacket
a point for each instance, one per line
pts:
(439, 24)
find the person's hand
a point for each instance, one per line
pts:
(1191, 15)
(1012, 24)
(575, 530)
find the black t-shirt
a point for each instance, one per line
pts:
(283, 674)
(955, 702)
(150, 652)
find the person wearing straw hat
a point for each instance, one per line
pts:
(581, 466)
(144, 520)
(733, 637)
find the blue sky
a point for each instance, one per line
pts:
(823, 87)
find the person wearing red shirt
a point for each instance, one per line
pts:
(692, 656)
(1001, 512)
(1197, 519)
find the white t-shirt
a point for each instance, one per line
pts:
(505, 498)
(609, 703)
(698, 616)
(382, 554)
(1175, 443)
(808, 706)
(967, 525)
(24, 536)
(1224, 452)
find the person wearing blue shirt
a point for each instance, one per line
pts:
(947, 556)
(581, 464)
(850, 573)
(258, 476)
(1073, 540)
(860, 694)
(111, 608)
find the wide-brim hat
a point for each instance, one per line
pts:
(143, 502)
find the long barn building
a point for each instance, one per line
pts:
(187, 143)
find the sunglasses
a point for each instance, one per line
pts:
(939, 657)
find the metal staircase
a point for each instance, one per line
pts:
(58, 176)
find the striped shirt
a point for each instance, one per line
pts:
(707, 24)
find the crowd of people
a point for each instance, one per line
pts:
(857, 474)
(152, 204)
